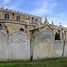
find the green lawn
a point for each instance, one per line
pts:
(41, 63)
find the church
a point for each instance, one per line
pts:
(12, 21)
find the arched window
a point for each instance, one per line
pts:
(7, 29)
(7, 16)
(57, 36)
(21, 29)
(18, 18)
(65, 34)
(0, 26)
(32, 19)
(59, 31)
(36, 20)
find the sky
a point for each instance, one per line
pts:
(55, 10)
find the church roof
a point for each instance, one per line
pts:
(55, 27)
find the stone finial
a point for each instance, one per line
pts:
(45, 18)
(46, 21)
(60, 24)
(2, 8)
(52, 22)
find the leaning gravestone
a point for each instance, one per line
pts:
(19, 46)
(3, 46)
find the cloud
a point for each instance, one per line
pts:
(45, 8)
(14, 5)
(6, 1)
(59, 18)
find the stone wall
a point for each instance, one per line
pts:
(65, 49)
(58, 48)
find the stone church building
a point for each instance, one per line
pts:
(24, 36)
(12, 21)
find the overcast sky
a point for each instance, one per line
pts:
(54, 9)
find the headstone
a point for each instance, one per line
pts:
(19, 46)
(43, 45)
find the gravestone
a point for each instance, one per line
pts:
(43, 45)
(19, 46)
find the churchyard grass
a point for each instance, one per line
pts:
(36, 63)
